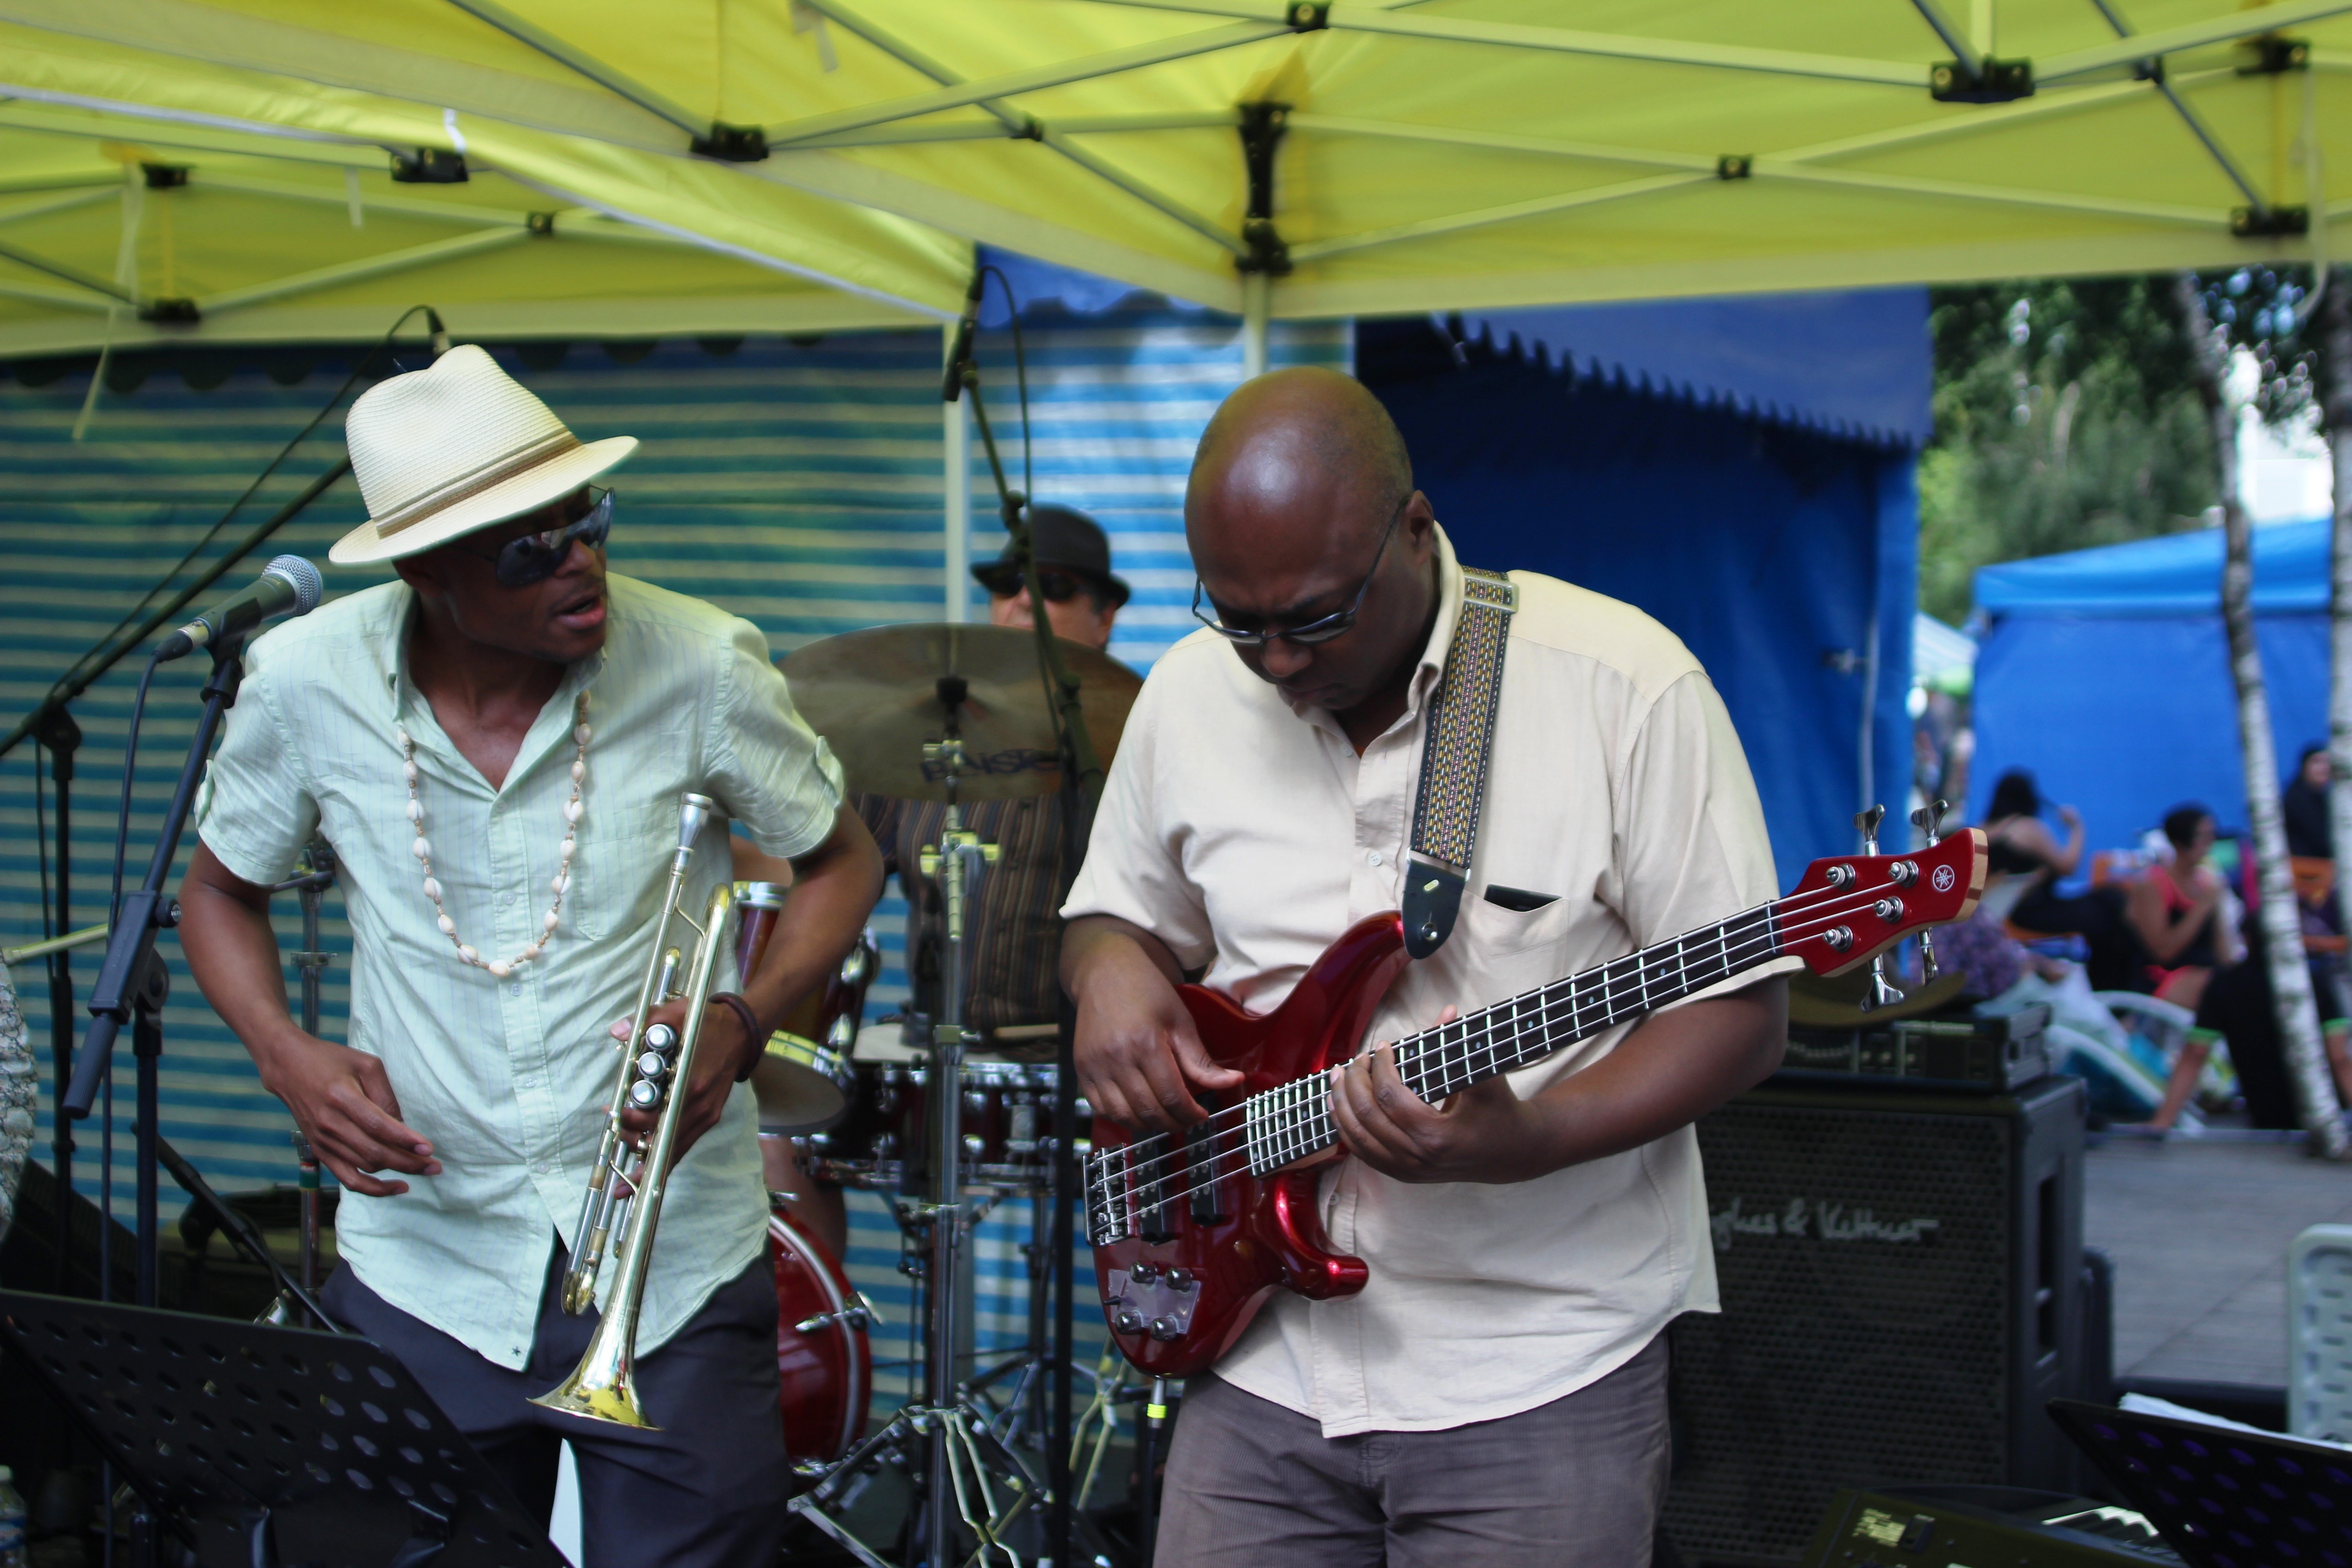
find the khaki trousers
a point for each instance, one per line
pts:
(1576, 1483)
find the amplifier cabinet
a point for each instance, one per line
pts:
(1902, 1285)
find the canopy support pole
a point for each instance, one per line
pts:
(1257, 292)
(956, 446)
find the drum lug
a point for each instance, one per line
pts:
(858, 1314)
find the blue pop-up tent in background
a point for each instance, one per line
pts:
(2106, 672)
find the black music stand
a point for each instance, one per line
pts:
(257, 1446)
(2219, 1497)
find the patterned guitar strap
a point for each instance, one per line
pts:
(1453, 761)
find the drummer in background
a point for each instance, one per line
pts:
(1013, 999)
(1015, 935)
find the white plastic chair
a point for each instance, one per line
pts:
(2319, 1333)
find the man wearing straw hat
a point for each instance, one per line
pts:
(495, 744)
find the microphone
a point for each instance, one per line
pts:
(287, 584)
(951, 388)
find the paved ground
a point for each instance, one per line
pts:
(2198, 1231)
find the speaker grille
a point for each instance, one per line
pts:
(1865, 1259)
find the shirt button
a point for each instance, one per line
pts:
(1373, 856)
(516, 989)
(506, 898)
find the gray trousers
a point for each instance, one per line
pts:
(708, 1490)
(1576, 1483)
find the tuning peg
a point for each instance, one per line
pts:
(1883, 990)
(1927, 969)
(1929, 819)
(1866, 824)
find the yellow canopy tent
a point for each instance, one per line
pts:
(1303, 159)
(131, 226)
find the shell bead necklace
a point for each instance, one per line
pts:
(559, 885)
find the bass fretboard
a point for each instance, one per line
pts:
(1289, 1122)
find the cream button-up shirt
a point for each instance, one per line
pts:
(510, 1078)
(1248, 834)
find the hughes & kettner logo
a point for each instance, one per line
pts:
(1819, 1219)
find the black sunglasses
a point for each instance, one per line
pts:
(1059, 587)
(535, 557)
(1319, 630)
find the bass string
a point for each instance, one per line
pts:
(1304, 1114)
(1769, 918)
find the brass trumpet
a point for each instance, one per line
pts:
(656, 1068)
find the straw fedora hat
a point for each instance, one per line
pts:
(457, 446)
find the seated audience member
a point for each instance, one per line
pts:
(2237, 1007)
(2304, 806)
(2023, 847)
(2177, 910)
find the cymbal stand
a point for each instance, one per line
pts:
(968, 1475)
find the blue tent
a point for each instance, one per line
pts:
(2107, 673)
(1711, 462)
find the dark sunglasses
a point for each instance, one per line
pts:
(1321, 629)
(1059, 587)
(535, 557)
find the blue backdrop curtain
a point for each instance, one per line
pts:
(1784, 556)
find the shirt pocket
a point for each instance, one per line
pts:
(1495, 930)
(621, 866)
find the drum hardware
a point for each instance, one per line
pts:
(656, 1065)
(962, 1465)
(805, 1082)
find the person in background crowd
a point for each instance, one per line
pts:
(2021, 846)
(2304, 806)
(2237, 1007)
(2175, 909)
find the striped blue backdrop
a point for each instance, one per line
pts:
(797, 484)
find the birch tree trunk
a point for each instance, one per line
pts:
(2282, 924)
(2335, 418)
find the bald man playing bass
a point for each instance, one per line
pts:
(1496, 1394)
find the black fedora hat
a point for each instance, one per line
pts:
(1065, 539)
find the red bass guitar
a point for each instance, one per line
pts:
(1192, 1232)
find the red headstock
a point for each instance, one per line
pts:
(1851, 907)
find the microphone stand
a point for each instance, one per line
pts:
(1082, 787)
(61, 737)
(133, 983)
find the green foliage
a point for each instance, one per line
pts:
(2065, 417)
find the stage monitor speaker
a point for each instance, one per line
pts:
(1902, 1285)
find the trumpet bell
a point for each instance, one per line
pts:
(613, 1399)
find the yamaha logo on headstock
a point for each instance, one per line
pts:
(1945, 878)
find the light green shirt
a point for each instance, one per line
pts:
(509, 1078)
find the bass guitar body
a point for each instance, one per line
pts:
(1206, 1242)
(1193, 1231)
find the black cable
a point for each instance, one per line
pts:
(130, 763)
(1020, 377)
(109, 649)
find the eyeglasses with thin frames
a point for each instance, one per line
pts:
(1323, 628)
(535, 557)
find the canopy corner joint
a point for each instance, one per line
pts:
(1989, 81)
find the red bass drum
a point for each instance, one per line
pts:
(821, 1355)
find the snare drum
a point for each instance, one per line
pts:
(805, 1081)
(1008, 1123)
(822, 1354)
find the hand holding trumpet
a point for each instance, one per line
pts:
(721, 1057)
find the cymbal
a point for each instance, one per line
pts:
(874, 696)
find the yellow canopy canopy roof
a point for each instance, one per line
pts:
(1368, 157)
(153, 195)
